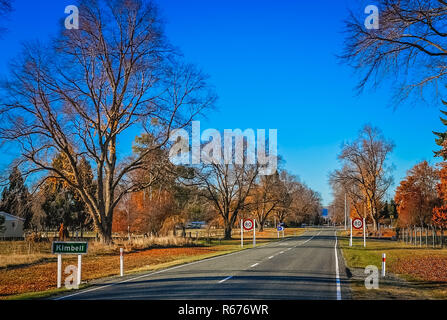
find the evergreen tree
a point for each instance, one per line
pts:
(16, 199)
(442, 137)
(61, 203)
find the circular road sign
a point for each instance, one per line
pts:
(248, 224)
(280, 228)
(357, 223)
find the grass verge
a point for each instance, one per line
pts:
(412, 272)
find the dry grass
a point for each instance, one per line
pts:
(19, 253)
(23, 273)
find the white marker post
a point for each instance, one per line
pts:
(59, 271)
(364, 233)
(121, 262)
(254, 232)
(242, 233)
(283, 233)
(350, 238)
(383, 264)
(79, 269)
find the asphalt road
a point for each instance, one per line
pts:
(303, 267)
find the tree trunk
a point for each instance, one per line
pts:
(261, 224)
(228, 229)
(374, 223)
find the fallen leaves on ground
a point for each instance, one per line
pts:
(426, 268)
(42, 276)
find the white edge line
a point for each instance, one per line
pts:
(227, 278)
(337, 274)
(254, 265)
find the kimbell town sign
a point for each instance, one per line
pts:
(70, 247)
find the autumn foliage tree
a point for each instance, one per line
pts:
(416, 195)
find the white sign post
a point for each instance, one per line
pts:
(364, 233)
(350, 238)
(79, 269)
(69, 247)
(383, 264)
(254, 233)
(357, 224)
(242, 233)
(59, 271)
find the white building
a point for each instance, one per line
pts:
(13, 226)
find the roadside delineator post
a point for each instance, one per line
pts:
(121, 262)
(383, 264)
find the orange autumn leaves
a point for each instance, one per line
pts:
(440, 212)
(421, 197)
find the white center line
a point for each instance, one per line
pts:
(254, 265)
(271, 257)
(281, 252)
(227, 278)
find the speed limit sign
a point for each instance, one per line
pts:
(357, 223)
(248, 224)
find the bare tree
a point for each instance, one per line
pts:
(305, 205)
(299, 203)
(409, 44)
(365, 173)
(267, 195)
(227, 186)
(88, 88)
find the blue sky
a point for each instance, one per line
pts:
(274, 66)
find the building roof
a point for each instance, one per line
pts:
(9, 217)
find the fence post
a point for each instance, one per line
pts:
(433, 235)
(420, 237)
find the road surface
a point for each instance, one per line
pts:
(309, 266)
